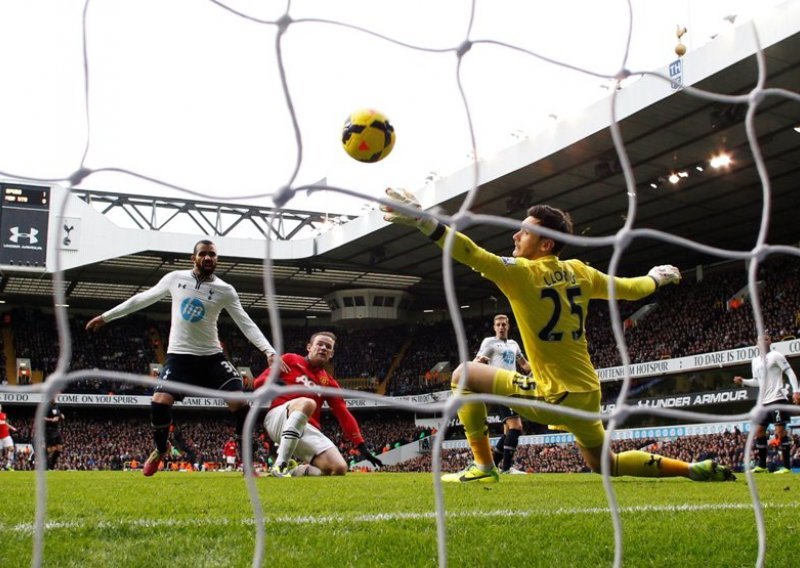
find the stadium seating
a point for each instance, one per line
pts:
(691, 318)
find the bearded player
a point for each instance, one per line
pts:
(194, 354)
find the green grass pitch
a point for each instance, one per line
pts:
(204, 519)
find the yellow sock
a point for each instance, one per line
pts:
(473, 417)
(645, 464)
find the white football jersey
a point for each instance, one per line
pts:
(501, 353)
(196, 305)
(768, 374)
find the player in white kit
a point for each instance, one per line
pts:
(768, 374)
(194, 354)
(504, 353)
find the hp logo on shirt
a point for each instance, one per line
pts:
(192, 310)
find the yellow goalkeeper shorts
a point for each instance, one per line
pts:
(589, 433)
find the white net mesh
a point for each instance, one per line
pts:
(274, 31)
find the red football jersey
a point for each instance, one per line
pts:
(4, 432)
(229, 449)
(302, 374)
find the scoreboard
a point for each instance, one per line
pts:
(24, 218)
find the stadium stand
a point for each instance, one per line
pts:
(693, 318)
(690, 319)
(106, 440)
(727, 448)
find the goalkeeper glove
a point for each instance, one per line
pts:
(665, 274)
(367, 455)
(406, 198)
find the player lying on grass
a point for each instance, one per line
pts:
(293, 421)
(549, 298)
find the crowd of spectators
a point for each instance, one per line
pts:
(431, 343)
(125, 348)
(106, 440)
(695, 317)
(727, 448)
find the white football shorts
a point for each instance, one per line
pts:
(312, 443)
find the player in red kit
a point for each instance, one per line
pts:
(6, 443)
(229, 453)
(293, 421)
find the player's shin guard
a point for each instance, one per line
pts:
(644, 464)
(761, 448)
(473, 417)
(510, 447)
(293, 430)
(786, 450)
(160, 419)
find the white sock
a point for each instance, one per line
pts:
(293, 430)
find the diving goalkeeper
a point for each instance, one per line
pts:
(549, 298)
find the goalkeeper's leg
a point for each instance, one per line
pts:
(479, 379)
(590, 435)
(637, 463)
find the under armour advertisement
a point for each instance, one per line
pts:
(24, 214)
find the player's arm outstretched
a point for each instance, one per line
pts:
(464, 249)
(350, 428)
(132, 304)
(500, 270)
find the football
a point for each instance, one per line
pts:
(367, 136)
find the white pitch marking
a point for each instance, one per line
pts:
(27, 528)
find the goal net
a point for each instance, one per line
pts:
(241, 91)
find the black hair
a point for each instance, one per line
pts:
(555, 219)
(202, 242)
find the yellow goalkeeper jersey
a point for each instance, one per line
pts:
(550, 298)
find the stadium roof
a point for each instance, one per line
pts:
(573, 166)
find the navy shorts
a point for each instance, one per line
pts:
(208, 371)
(52, 439)
(504, 413)
(775, 416)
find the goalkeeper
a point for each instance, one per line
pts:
(549, 298)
